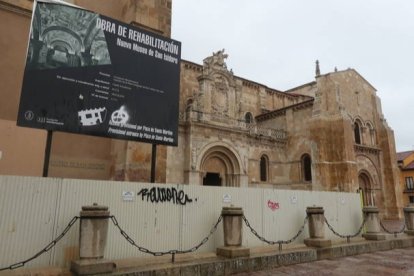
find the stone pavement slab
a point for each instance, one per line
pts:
(398, 262)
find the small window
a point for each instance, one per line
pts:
(306, 167)
(357, 133)
(263, 168)
(248, 118)
(189, 105)
(409, 183)
(411, 198)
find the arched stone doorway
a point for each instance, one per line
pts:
(219, 166)
(365, 186)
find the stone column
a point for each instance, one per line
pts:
(372, 224)
(233, 235)
(92, 241)
(316, 225)
(409, 219)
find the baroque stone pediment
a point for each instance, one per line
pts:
(220, 95)
(218, 92)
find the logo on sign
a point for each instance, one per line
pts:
(226, 198)
(120, 116)
(128, 196)
(92, 117)
(29, 115)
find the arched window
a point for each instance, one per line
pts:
(357, 132)
(263, 168)
(189, 105)
(306, 167)
(248, 118)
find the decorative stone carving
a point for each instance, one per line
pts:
(220, 101)
(219, 94)
(217, 59)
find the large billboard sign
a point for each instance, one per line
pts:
(90, 74)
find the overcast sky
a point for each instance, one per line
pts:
(276, 43)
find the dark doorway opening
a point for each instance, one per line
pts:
(212, 179)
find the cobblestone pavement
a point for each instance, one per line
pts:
(398, 262)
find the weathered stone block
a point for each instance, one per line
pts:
(216, 268)
(91, 267)
(317, 242)
(374, 236)
(236, 266)
(233, 251)
(190, 270)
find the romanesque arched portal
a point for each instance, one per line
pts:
(365, 185)
(219, 166)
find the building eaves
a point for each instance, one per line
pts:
(300, 87)
(282, 111)
(404, 154)
(410, 166)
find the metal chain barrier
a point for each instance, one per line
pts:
(347, 237)
(392, 232)
(280, 242)
(44, 250)
(161, 253)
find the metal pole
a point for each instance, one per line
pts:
(153, 159)
(47, 153)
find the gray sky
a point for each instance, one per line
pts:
(276, 43)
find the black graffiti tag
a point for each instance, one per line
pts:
(157, 194)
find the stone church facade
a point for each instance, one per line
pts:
(329, 134)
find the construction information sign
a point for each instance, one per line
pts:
(90, 74)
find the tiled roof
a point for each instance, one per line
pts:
(404, 154)
(409, 166)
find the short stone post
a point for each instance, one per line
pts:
(372, 224)
(409, 219)
(92, 241)
(316, 228)
(233, 235)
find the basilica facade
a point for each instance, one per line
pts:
(326, 135)
(329, 134)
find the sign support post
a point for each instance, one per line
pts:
(47, 153)
(153, 159)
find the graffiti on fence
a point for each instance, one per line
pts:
(157, 194)
(272, 205)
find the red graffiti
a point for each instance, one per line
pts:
(272, 205)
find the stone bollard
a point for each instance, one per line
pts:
(316, 228)
(233, 226)
(92, 241)
(409, 219)
(372, 224)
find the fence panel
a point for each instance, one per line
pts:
(159, 217)
(27, 218)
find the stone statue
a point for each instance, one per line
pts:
(217, 59)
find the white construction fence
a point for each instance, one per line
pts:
(160, 217)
